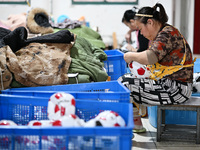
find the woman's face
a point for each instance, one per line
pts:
(131, 25)
(147, 30)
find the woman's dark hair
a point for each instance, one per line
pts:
(160, 16)
(129, 14)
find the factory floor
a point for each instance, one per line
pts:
(147, 141)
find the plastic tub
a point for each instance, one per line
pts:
(115, 64)
(22, 109)
(112, 91)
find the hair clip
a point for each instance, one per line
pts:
(143, 15)
(134, 9)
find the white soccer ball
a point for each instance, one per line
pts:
(106, 118)
(138, 70)
(69, 121)
(110, 119)
(59, 141)
(5, 142)
(60, 104)
(33, 143)
(196, 82)
(45, 123)
(7, 123)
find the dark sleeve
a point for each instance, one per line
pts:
(143, 43)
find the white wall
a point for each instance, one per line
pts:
(106, 17)
(184, 19)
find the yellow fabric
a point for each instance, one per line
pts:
(158, 71)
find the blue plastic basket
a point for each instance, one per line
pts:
(22, 109)
(115, 64)
(197, 65)
(111, 91)
(196, 94)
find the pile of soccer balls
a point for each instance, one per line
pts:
(61, 111)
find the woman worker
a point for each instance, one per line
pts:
(128, 20)
(169, 59)
(142, 44)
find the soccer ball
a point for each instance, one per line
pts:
(138, 70)
(5, 142)
(106, 118)
(102, 142)
(45, 123)
(33, 143)
(196, 82)
(60, 104)
(110, 119)
(7, 123)
(68, 121)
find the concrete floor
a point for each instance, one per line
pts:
(147, 141)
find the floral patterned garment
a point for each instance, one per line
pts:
(169, 47)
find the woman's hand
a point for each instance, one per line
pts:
(128, 38)
(128, 57)
(140, 57)
(130, 48)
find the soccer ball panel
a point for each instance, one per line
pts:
(7, 123)
(68, 121)
(45, 123)
(138, 70)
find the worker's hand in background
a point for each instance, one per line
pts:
(128, 36)
(130, 48)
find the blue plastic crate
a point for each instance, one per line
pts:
(196, 94)
(197, 65)
(22, 109)
(112, 91)
(173, 116)
(115, 64)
